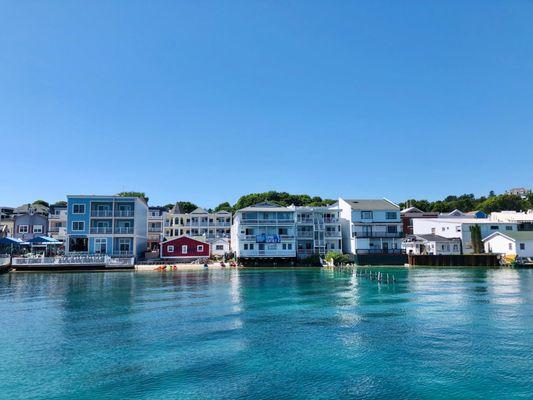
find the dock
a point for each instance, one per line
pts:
(72, 263)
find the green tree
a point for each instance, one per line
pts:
(187, 206)
(60, 203)
(504, 202)
(224, 207)
(475, 237)
(42, 203)
(141, 195)
(337, 258)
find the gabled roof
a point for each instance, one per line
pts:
(186, 237)
(372, 204)
(176, 209)
(436, 238)
(223, 212)
(266, 206)
(199, 210)
(512, 235)
(412, 210)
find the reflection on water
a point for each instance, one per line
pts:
(295, 333)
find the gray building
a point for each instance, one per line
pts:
(28, 226)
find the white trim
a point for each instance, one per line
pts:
(41, 231)
(184, 249)
(170, 248)
(199, 247)
(77, 230)
(27, 228)
(79, 204)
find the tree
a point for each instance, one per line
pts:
(141, 195)
(60, 203)
(504, 202)
(337, 258)
(187, 206)
(475, 237)
(224, 207)
(41, 202)
(281, 198)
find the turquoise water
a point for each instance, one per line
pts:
(267, 334)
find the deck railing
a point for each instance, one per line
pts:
(101, 213)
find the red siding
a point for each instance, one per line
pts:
(192, 248)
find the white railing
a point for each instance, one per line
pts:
(5, 259)
(123, 253)
(115, 262)
(304, 220)
(331, 220)
(124, 230)
(268, 253)
(333, 234)
(305, 234)
(101, 230)
(101, 213)
(67, 260)
(254, 237)
(124, 213)
(267, 221)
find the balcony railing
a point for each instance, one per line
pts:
(333, 234)
(267, 221)
(305, 234)
(101, 213)
(304, 220)
(56, 216)
(123, 230)
(268, 253)
(101, 230)
(123, 253)
(160, 229)
(378, 234)
(124, 213)
(254, 237)
(331, 220)
(380, 251)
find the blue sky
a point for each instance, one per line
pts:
(206, 101)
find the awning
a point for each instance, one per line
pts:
(11, 241)
(43, 240)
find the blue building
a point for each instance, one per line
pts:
(112, 225)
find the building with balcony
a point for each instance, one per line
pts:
(156, 220)
(111, 225)
(524, 220)
(57, 222)
(370, 226)
(30, 225)
(199, 224)
(318, 230)
(460, 228)
(264, 231)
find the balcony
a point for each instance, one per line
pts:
(267, 221)
(160, 229)
(123, 253)
(304, 221)
(123, 230)
(378, 234)
(331, 220)
(379, 251)
(57, 216)
(124, 213)
(254, 237)
(267, 253)
(305, 234)
(331, 234)
(101, 230)
(101, 213)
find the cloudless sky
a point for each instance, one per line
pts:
(209, 100)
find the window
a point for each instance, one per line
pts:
(433, 231)
(366, 214)
(23, 228)
(458, 228)
(100, 245)
(392, 229)
(251, 246)
(508, 228)
(510, 246)
(78, 225)
(442, 247)
(494, 227)
(391, 215)
(200, 248)
(170, 249)
(184, 249)
(522, 246)
(37, 229)
(78, 209)
(455, 247)
(219, 247)
(245, 246)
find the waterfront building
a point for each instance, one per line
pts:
(111, 225)
(510, 243)
(57, 222)
(431, 245)
(459, 214)
(198, 224)
(370, 226)
(407, 215)
(30, 225)
(184, 247)
(318, 230)
(264, 230)
(524, 220)
(460, 228)
(156, 218)
(220, 246)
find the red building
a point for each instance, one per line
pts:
(184, 247)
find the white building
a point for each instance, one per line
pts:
(511, 243)
(431, 244)
(370, 226)
(318, 230)
(220, 246)
(264, 230)
(156, 218)
(57, 222)
(524, 220)
(197, 223)
(460, 228)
